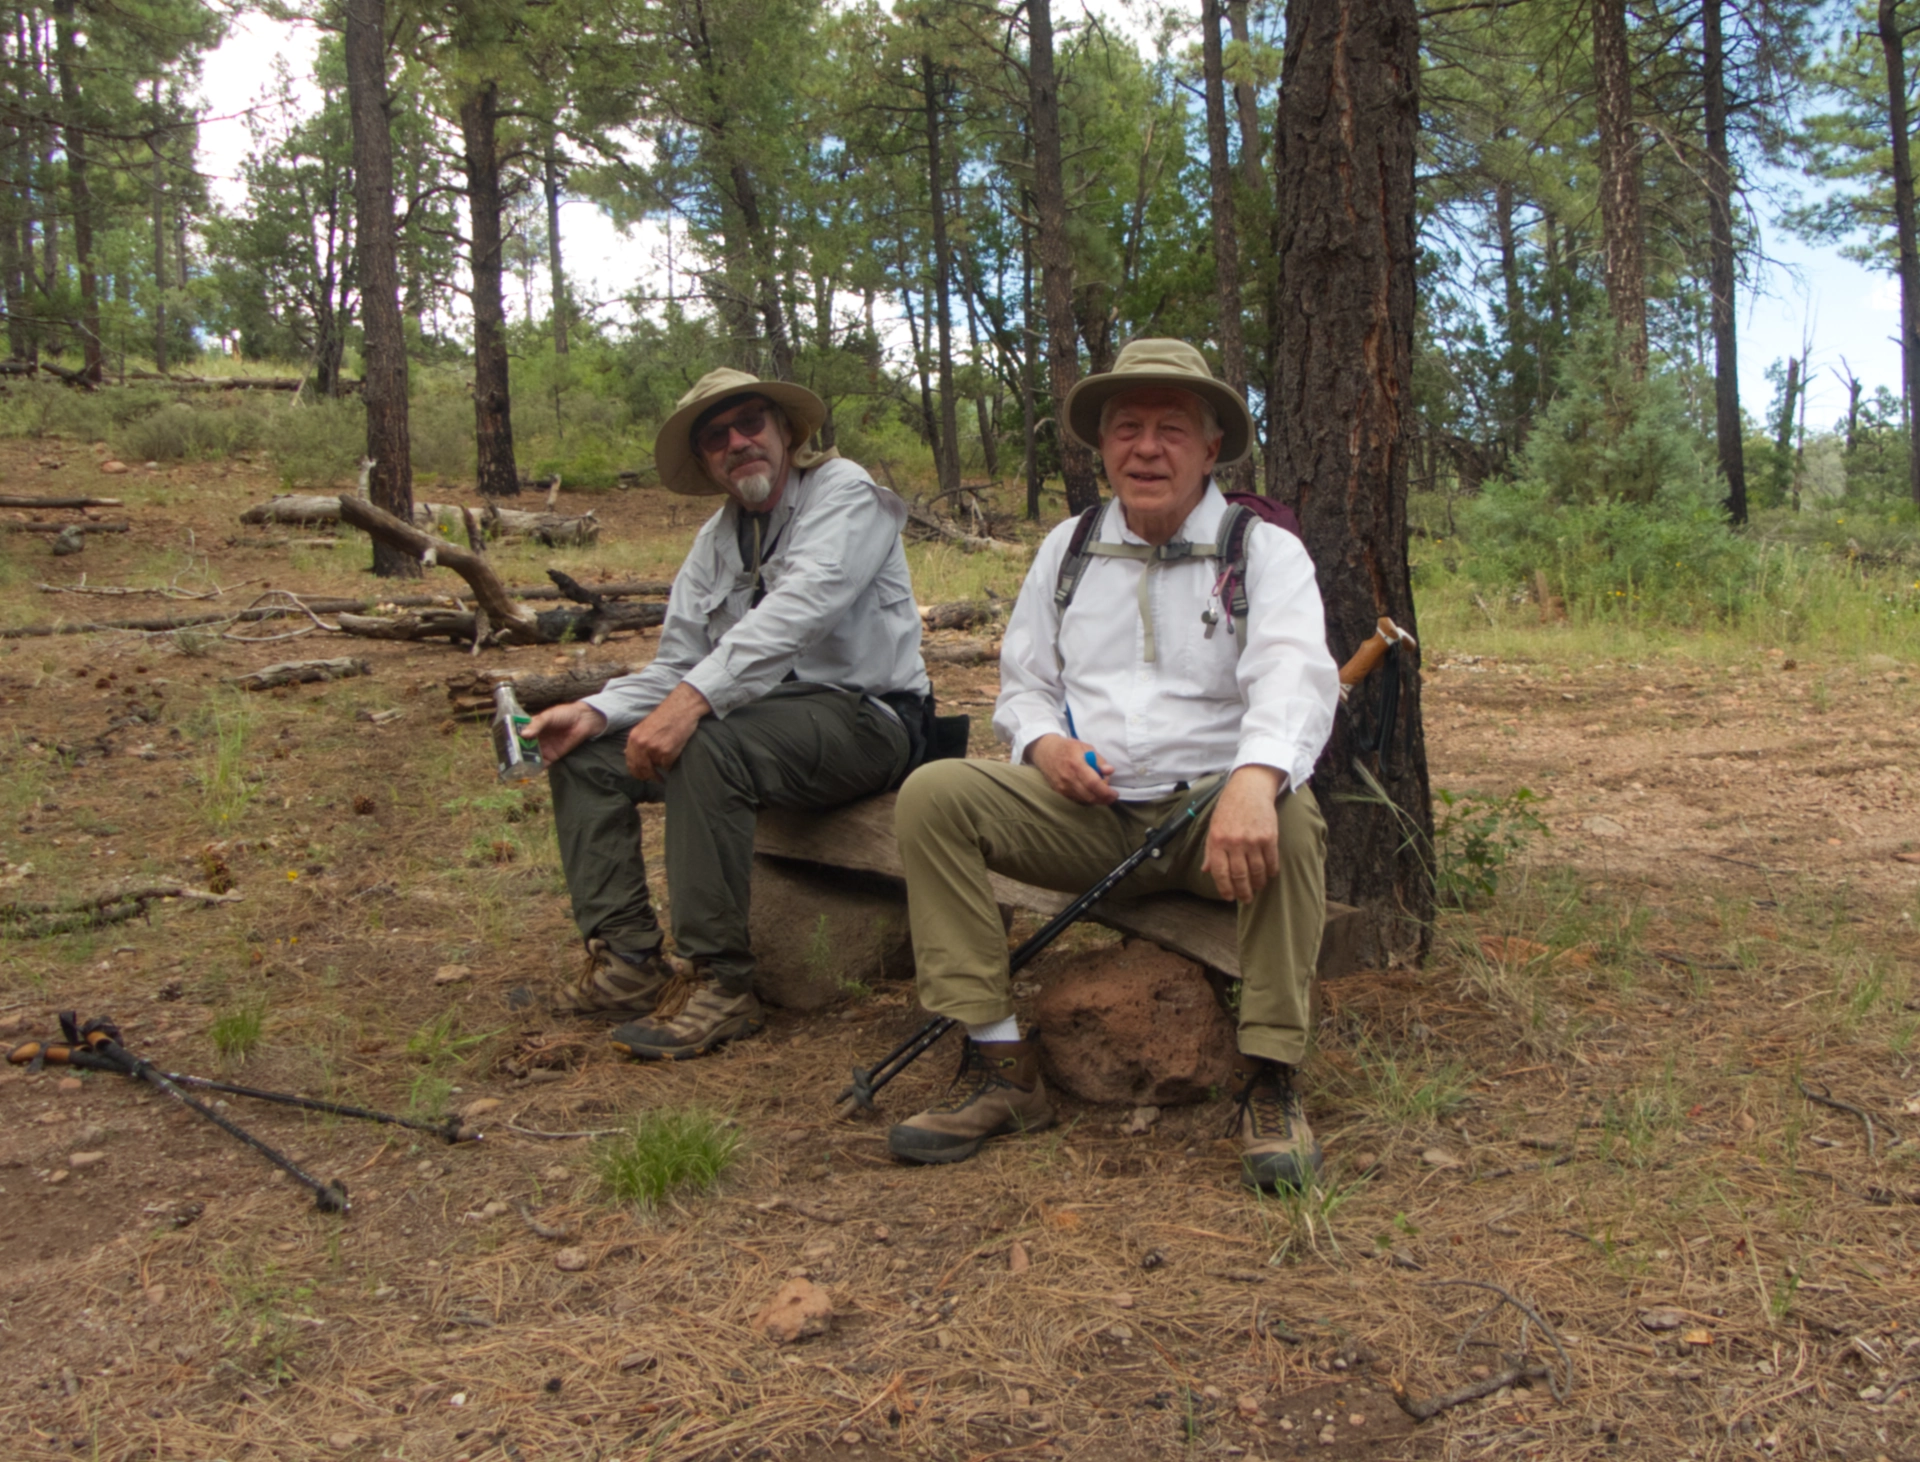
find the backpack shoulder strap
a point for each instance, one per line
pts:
(1074, 566)
(1230, 546)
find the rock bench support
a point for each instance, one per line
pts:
(815, 929)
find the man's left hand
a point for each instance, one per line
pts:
(1243, 837)
(656, 743)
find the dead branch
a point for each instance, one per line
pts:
(300, 672)
(1824, 1098)
(555, 530)
(929, 526)
(345, 606)
(1434, 1405)
(511, 624)
(39, 919)
(318, 508)
(471, 694)
(21, 500)
(1560, 1390)
(82, 526)
(541, 1230)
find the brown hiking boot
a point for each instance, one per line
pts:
(612, 986)
(703, 1017)
(1277, 1149)
(996, 1091)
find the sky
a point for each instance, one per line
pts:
(1803, 292)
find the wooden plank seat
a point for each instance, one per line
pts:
(860, 837)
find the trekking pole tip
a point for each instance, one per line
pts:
(331, 1197)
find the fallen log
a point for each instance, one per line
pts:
(966, 652)
(962, 615)
(300, 507)
(37, 919)
(471, 695)
(555, 530)
(21, 500)
(81, 526)
(930, 526)
(160, 625)
(300, 672)
(556, 626)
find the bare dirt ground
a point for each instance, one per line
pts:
(1593, 1096)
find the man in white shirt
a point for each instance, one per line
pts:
(788, 675)
(1116, 708)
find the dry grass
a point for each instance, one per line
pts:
(1592, 1097)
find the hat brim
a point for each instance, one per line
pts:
(1091, 394)
(679, 465)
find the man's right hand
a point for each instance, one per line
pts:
(1063, 762)
(561, 728)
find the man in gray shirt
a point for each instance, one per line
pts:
(788, 675)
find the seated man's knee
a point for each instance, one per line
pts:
(1303, 832)
(934, 796)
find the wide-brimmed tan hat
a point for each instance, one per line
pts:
(679, 464)
(1163, 363)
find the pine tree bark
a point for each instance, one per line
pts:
(1053, 251)
(79, 192)
(159, 244)
(384, 390)
(492, 391)
(947, 448)
(556, 276)
(1226, 231)
(1728, 436)
(1620, 218)
(1344, 179)
(1893, 46)
(1247, 105)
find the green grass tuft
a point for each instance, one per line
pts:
(669, 1150)
(236, 1032)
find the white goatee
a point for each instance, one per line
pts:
(754, 490)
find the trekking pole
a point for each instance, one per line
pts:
(83, 1057)
(867, 1081)
(102, 1038)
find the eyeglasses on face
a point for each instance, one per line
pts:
(749, 421)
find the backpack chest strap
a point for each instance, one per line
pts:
(1148, 555)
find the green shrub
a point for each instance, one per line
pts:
(440, 428)
(317, 443)
(1474, 838)
(182, 431)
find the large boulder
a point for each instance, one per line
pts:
(1134, 1026)
(821, 935)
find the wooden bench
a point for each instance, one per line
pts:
(860, 836)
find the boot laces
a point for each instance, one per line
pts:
(1268, 1099)
(675, 994)
(986, 1077)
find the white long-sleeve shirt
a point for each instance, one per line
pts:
(838, 609)
(1201, 705)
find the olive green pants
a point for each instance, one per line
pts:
(798, 746)
(957, 820)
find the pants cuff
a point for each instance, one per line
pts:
(969, 1012)
(1273, 1043)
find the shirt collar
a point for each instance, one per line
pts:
(1202, 525)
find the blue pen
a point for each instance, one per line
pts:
(1090, 759)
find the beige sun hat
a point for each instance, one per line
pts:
(1162, 363)
(679, 464)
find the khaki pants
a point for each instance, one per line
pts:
(798, 746)
(957, 820)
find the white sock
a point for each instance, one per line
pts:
(1000, 1030)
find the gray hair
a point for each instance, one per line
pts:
(1209, 418)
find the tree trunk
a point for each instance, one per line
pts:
(557, 277)
(159, 244)
(492, 397)
(929, 423)
(1519, 395)
(80, 191)
(1226, 232)
(390, 480)
(1783, 428)
(1728, 436)
(1029, 405)
(1344, 169)
(1893, 44)
(1054, 251)
(989, 436)
(16, 242)
(1247, 104)
(1625, 262)
(946, 454)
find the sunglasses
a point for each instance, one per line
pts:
(715, 435)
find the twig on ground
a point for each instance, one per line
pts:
(1523, 1167)
(795, 1206)
(1824, 1098)
(1446, 1401)
(36, 919)
(1560, 1390)
(565, 1136)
